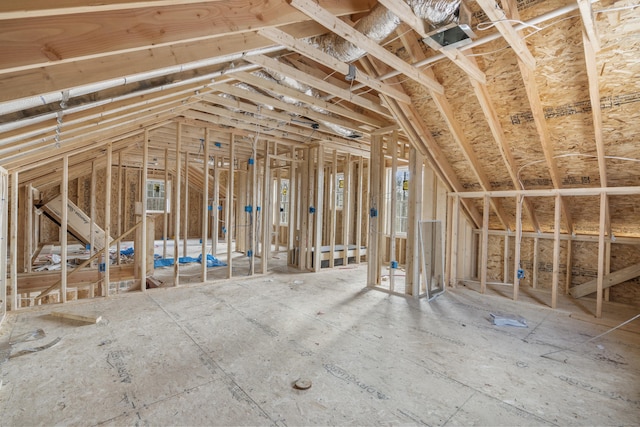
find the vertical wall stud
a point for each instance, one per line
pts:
(177, 204)
(107, 221)
(556, 252)
(485, 244)
(518, 247)
(13, 242)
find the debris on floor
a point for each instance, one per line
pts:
(152, 282)
(35, 349)
(302, 384)
(78, 317)
(508, 320)
(36, 334)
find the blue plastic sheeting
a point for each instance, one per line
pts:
(128, 251)
(162, 262)
(168, 262)
(212, 261)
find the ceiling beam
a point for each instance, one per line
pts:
(263, 100)
(501, 21)
(589, 23)
(144, 28)
(317, 83)
(174, 59)
(413, 125)
(304, 48)
(44, 8)
(344, 30)
(537, 112)
(310, 100)
(596, 113)
(446, 111)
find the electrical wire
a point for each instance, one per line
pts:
(483, 26)
(592, 339)
(537, 30)
(615, 9)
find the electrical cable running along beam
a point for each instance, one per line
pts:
(342, 29)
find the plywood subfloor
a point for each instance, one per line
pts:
(228, 354)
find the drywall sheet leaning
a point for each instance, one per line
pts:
(78, 223)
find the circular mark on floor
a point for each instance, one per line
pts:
(302, 384)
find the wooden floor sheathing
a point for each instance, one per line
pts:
(228, 353)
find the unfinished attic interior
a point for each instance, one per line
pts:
(397, 169)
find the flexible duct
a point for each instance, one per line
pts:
(380, 23)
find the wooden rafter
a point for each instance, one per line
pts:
(78, 71)
(588, 21)
(537, 112)
(443, 105)
(319, 84)
(421, 138)
(596, 110)
(304, 48)
(500, 20)
(310, 100)
(260, 99)
(138, 29)
(342, 29)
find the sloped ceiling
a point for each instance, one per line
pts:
(554, 103)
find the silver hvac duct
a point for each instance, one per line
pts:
(380, 23)
(283, 80)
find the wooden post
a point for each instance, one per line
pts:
(319, 210)
(253, 245)
(347, 207)
(64, 189)
(142, 253)
(294, 206)
(307, 219)
(505, 262)
(607, 266)
(5, 243)
(165, 216)
(107, 221)
(455, 230)
(119, 215)
(518, 247)
(376, 167)
(392, 149)
(185, 228)
(448, 243)
(333, 214)
(13, 251)
(567, 283)
(556, 252)
(267, 210)
(276, 209)
(416, 204)
(205, 206)
(601, 253)
(215, 213)
(534, 275)
(92, 214)
(29, 246)
(229, 220)
(360, 199)
(485, 244)
(177, 204)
